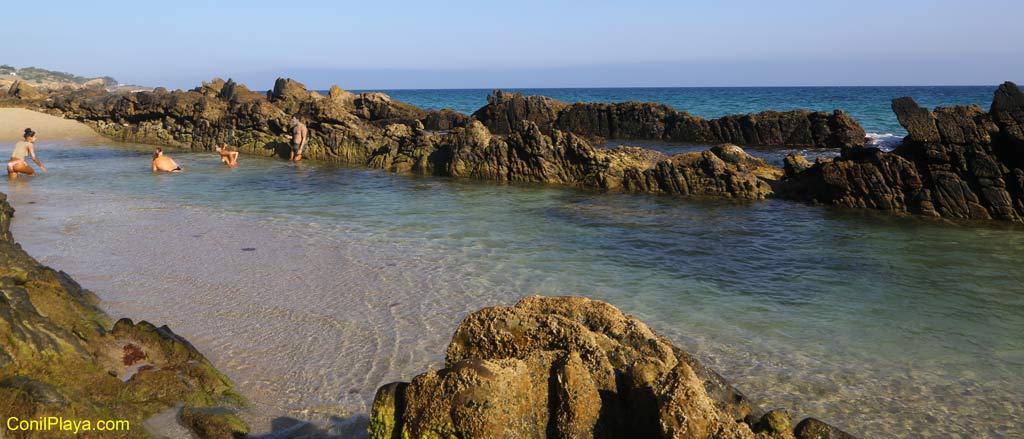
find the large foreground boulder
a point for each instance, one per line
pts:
(567, 367)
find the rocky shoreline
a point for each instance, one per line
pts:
(958, 162)
(547, 367)
(61, 356)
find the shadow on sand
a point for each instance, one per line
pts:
(353, 427)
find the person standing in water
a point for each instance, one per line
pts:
(163, 163)
(300, 136)
(227, 157)
(17, 164)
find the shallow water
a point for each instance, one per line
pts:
(886, 326)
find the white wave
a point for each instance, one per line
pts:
(884, 141)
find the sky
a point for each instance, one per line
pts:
(524, 43)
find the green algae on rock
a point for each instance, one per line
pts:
(57, 357)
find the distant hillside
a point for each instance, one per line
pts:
(50, 78)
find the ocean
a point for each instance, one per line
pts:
(886, 326)
(868, 105)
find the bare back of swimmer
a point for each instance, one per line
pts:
(27, 148)
(162, 163)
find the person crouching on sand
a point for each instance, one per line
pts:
(300, 136)
(227, 157)
(163, 163)
(17, 164)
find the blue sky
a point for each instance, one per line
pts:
(451, 44)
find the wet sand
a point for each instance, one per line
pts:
(13, 122)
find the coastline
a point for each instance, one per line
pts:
(518, 138)
(388, 273)
(237, 343)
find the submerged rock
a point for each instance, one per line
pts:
(566, 367)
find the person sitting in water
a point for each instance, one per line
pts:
(300, 136)
(163, 163)
(227, 157)
(17, 164)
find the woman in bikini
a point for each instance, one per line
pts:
(17, 164)
(227, 157)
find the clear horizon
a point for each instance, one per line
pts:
(465, 45)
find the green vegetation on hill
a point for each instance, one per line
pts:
(36, 74)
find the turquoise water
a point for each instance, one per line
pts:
(887, 326)
(868, 105)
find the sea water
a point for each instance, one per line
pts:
(868, 105)
(311, 285)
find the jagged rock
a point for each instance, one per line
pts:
(956, 162)
(444, 120)
(23, 91)
(654, 121)
(566, 367)
(95, 83)
(212, 88)
(629, 120)
(504, 111)
(794, 164)
(1007, 113)
(286, 89)
(918, 121)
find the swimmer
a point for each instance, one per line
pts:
(163, 163)
(300, 137)
(227, 157)
(17, 164)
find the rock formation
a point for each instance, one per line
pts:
(60, 356)
(569, 367)
(373, 130)
(653, 121)
(957, 162)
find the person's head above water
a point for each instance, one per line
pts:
(158, 152)
(222, 144)
(30, 135)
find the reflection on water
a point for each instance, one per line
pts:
(888, 326)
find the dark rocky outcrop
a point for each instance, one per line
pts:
(654, 121)
(373, 130)
(956, 162)
(569, 367)
(60, 355)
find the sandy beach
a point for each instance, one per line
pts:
(13, 122)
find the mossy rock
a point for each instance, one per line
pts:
(213, 423)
